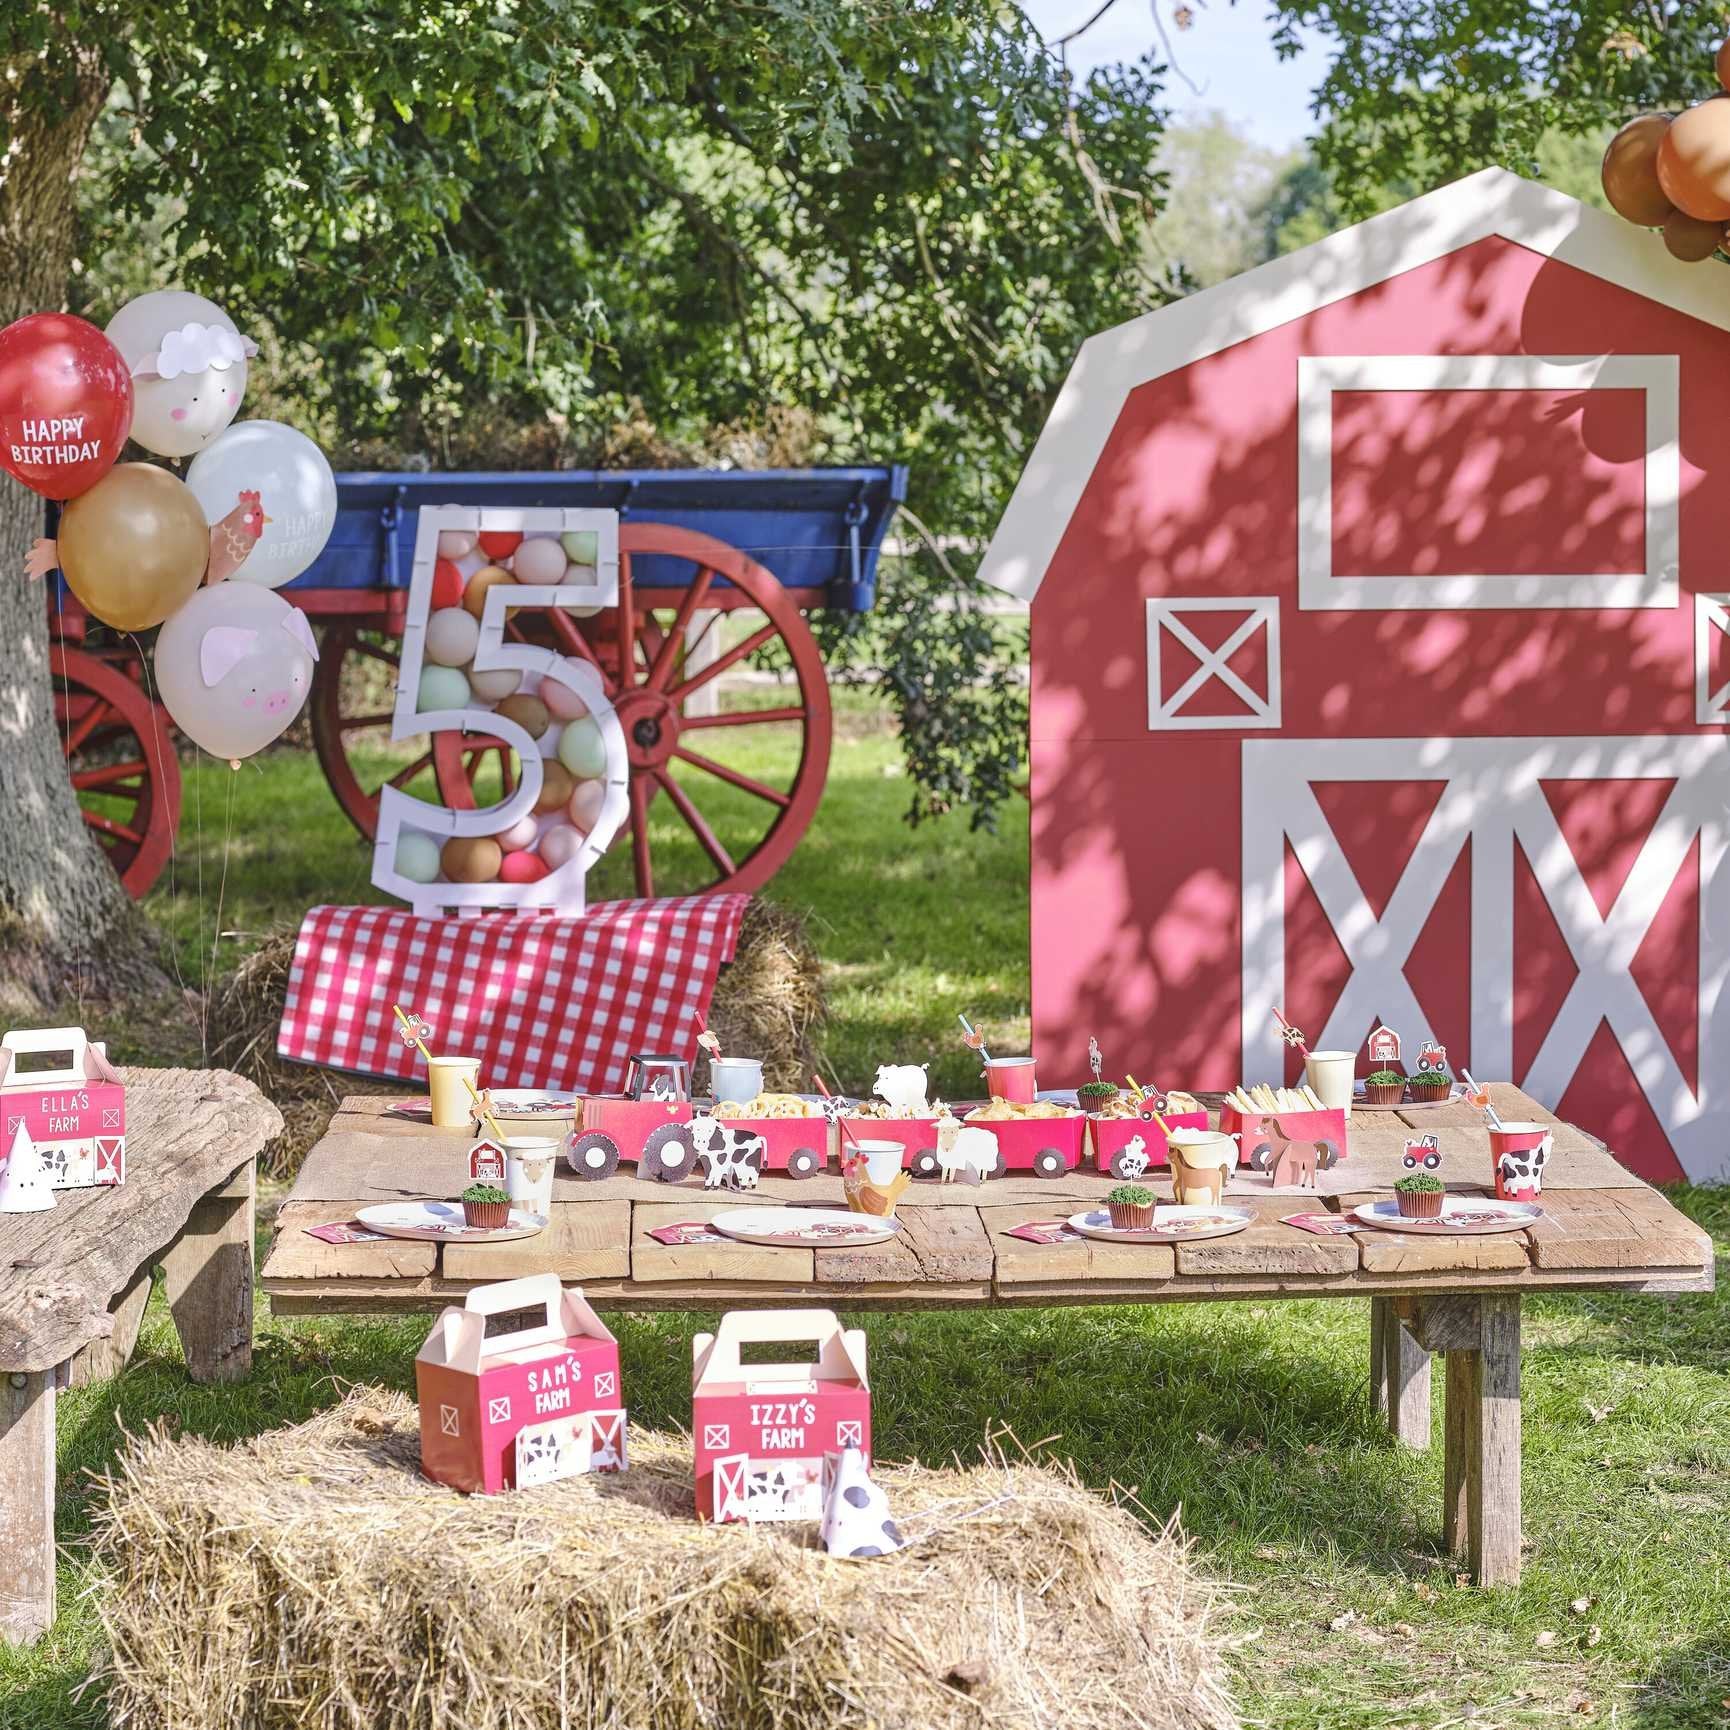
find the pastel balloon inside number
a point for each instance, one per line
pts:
(452, 636)
(471, 858)
(521, 834)
(442, 688)
(582, 749)
(485, 579)
(417, 857)
(447, 589)
(495, 686)
(560, 846)
(586, 803)
(522, 868)
(529, 713)
(539, 561)
(456, 543)
(556, 787)
(582, 546)
(563, 704)
(500, 543)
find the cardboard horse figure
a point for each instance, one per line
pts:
(1293, 1162)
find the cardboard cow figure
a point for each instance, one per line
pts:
(761, 1431)
(856, 1518)
(75, 1110)
(518, 1387)
(1395, 564)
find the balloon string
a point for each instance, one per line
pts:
(222, 886)
(203, 974)
(148, 670)
(66, 756)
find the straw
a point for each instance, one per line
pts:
(1489, 1110)
(1294, 1035)
(975, 1041)
(486, 1111)
(409, 1028)
(845, 1129)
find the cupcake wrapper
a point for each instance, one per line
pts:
(1130, 1218)
(1420, 1204)
(488, 1215)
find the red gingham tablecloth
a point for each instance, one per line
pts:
(542, 999)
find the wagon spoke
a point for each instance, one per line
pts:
(743, 718)
(572, 640)
(109, 826)
(733, 777)
(355, 723)
(663, 665)
(642, 792)
(403, 776)
(377, 652)
(98, 712)
(695, 822)
(722, 662)
(86, 780)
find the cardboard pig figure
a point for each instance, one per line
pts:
(506, 1409)
(75, 1111)
(762, 1430)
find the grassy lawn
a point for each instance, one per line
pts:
(1250, 1420)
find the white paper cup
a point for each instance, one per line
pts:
(530, 1161)
(452, 1108)
(739, 1079)
(883, 1159)
(1332, 1074)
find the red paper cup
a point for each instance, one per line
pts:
(1518, 1152)
(1011, 1078)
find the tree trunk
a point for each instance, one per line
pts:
(63, 913)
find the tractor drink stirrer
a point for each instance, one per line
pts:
(415, 1030)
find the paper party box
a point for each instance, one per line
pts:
(75, 1111)
(761, 1430)
(537, 1398)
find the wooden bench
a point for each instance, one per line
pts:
(74, 1282)
(1603, 1229)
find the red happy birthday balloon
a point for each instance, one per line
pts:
(65, 404)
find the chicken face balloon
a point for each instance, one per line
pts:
(264, 456)
(234, 666)
(188, 364)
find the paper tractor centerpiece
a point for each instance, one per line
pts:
(484, 580)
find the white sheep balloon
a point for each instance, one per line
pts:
(188, 364)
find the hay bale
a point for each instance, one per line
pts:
(312, 1577)
(769, 1000)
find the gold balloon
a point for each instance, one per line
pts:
(1694, 160)
(557, 786)
(471, 858)
(475, 594)
(134, 547)
(1630, 172)
(1723, 64)
(1690, 239)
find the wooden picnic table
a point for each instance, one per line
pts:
(1603, 1229)
(74, 1281)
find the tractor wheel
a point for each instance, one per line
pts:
(667, 1154)
(1261, 1156)
(1327, 1155)
(804, 1162)
(593, 1156)
(1048, 1162)
(925, 1163)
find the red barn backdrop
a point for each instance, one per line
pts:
(1379, 608)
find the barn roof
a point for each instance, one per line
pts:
(1113, 363)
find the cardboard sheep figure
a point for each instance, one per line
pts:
(761, 1431)
(503, 1410)
(856, 1518)
(75, 1111)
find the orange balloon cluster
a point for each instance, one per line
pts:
(1672, 172)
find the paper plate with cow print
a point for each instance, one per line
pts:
(804, 1227)
(443, 1222)
(1461, 1216)
(1172, 1223)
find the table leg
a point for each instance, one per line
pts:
(27, 1504)
(208, 1272)
(1481, 1474)
(1381, 1312)
(104, 1358)
(1407, 1378)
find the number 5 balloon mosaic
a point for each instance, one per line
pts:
(462, 674)
(140, 547)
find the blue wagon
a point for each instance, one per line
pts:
(696, 546)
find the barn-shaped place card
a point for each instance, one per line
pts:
(60, 1086)
(761, 1430)
(518, 1387)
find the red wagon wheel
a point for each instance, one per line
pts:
(639, 649)
(121, 761)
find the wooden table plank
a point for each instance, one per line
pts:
(1028, 1269)
(940, 1255)
(580, 1242)
(1398, 1252)
(655, 1264)
(1269, 1247)
(1607, 1229)
(296, 1256)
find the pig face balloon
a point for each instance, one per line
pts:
(234, 666)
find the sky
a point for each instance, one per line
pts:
(1227, 52)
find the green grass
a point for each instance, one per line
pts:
(1250, 1421)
